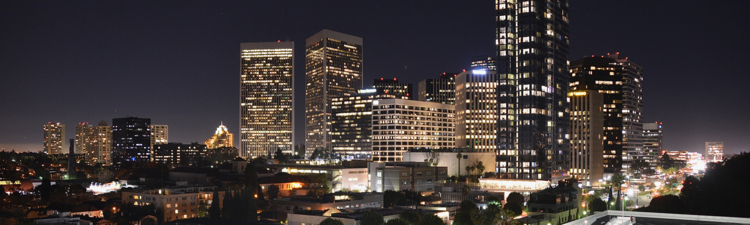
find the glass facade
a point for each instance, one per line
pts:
(604, 75)
(532, 62)
(333, 67)
(392, 86)
(442, 90)
(653, 139)
(632, 110)
(476, 110)
(266, 98)
(351, 124)
(131, 142)
(586, 128)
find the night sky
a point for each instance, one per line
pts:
(177, 62)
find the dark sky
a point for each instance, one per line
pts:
(177, 62)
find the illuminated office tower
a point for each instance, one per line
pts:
(441, 90)
(604, 75)
(532, 63)
(81, 137)
(333, 67)
(392, 86)
(714, 151)
(54, 138)
(652, 143)
(483, 63)
(266, 98)
(399, 125)
(632, 110)
(131, 142)
(221, 138)
(476, 110)
(586, 131)
(98, 144)
(351, 123)
(159, 135)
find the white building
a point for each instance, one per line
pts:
(476, 110)
(399, 125)
(447, 158)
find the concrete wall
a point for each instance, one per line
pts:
(449, 160)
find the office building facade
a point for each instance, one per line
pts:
(131, 142)
(653, 139)
(54, 138)
(441, 90)
(714, 151)
(266, 98)
(587, 133)
(159, 134)
(532, 61)
(399, 125)
(181, 154)
(632, 109)
(98, 144)
(351, 123)
(483, 63)
(476, 110)
(333, 67)
(604, 75)
(393, 87)
(81, 137)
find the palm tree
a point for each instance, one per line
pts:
(459, 156)
(617, 181)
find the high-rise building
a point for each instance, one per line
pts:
(714, 151)
(532, 64)
(392, 86)
(476, 110)
(652, 143)
(351, 123)
(604, 76)
(131, 142)
(586, 141)
(483, 63)
(98, 144)
(178, 153)
(333, 67)
(399, 125)
(441, 90)
(221, 138)
(632, 109)
(81, 137)
(159, 134)
(266, 98)
(54, 138)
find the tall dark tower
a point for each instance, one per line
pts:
(131, 142)
(72, 160)
(532, 62)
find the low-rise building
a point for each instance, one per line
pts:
(176, 202)
(397, 176)
(349, 176)
(562, 202)
(314, 217)
(330, 203)
(447, 158)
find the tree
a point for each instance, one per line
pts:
(411, 217)
(371, 218)
(480, 168)
(202, 209)
(463, 218)
(494, 198)
(468, 206)
(514, 207)
(597, 205)
(227, 208)
(665, 204)
(331, 221)
(459, 156)
(516, 197)
(390, 198)
(215, 210)
(431, 219)
(617, 181)
(273, 191)
(397, 221)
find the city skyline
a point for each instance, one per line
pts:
(697, 104)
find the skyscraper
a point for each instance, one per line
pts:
(483, 63)
(81, 137)
(532, 63)
(586, 131)
(131, 142)
(604, 75)
(221, 138)
(266, 98)
(351, 123)
(99, 144)
(159, 134)
(392, 86)
(632, 109)
(476, 110)
(714, 151)
(441, 90)
(333, 67)
(54, 138)
(652, 143)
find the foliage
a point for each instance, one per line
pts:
(431, 219)
(432, 157)
(463, 218)
(397, 221)
(371, 218)
(240, 205)
(469, 207)
(215, 210)
(723, 189)
(665, 204)
(516, 197)
(411, 217)
(331, 221)
(273, 191)
(597, 205)
(494, 198)
(281, 157)
(514, 207)
(202, 209)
